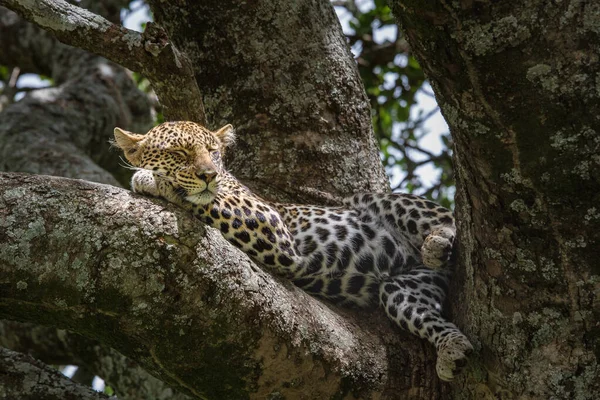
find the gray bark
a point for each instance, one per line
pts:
(518, 85)
(23, 378)
(140, 277)
(64, 131)
(61, 347)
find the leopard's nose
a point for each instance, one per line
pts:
(207, 175)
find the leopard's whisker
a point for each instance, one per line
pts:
(126, 164)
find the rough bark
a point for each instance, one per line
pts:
(61, 347)
(282, 74)
(519, 87)
(154, 284)
(23, 378)
(64, 131)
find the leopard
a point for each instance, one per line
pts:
(388, 249)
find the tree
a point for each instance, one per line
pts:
(518, 87)
(144, 278)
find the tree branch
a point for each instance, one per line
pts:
(57, 346)
(100, 261)
(151, 53)
(22, 377)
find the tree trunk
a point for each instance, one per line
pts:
(519, 87)
(282, 74)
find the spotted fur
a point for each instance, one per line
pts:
(391, 249)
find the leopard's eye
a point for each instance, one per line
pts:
(181, 153)
(215, 153)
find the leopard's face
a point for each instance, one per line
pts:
(184, 153)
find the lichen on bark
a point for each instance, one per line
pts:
(147, 289)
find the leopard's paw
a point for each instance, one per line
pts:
(143, 182)
(452, 356)
(437, 248)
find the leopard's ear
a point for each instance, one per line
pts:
(128, 142)
(226, 135)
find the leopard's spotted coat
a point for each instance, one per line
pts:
(390, 248)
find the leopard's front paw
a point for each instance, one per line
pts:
(143, 182)
(437, 247)
(452, 356)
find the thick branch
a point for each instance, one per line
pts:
(180, 300)
(60, 347)
(23, 378)
(150, 53)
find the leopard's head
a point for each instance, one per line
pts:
(186, 154)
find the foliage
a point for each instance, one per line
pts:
(7, 85)
(393, 79)
(3, 73)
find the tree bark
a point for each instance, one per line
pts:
(140, 277)
(282, 74)
(60, 347)
(519, 87)
(23, 378)
(65, 131)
